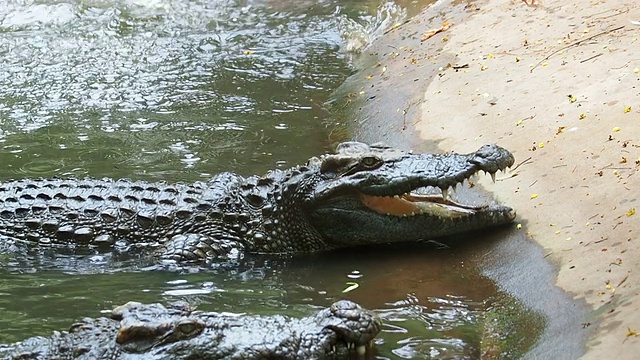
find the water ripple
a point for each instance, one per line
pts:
(100, 75)
(131, 55)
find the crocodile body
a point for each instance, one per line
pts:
(152, 331)
(359, 195)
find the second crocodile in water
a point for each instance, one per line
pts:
(138, 331)
(362, 194)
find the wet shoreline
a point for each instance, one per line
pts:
(394, 79)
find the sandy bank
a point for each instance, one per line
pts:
(558, 84)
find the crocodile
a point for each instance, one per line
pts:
(361, 194)
(152, 331)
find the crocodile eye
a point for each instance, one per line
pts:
(370, 161)
(188, 329)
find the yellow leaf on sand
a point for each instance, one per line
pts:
(430, 33)
(615, 129)
(533, 196)
(631, 212)
(627, 109)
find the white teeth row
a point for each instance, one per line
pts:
(445, 192)
(360, 349)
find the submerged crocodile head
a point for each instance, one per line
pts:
(152, 331)
(375, 194)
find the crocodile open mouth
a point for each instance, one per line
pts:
(424, 203)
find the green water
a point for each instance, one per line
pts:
(179, 90)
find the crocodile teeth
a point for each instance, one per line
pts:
(361, 350)
(493, 177)
(445, 193)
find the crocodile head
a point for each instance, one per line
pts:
(153, 331)
(375, 194)
(338, 332)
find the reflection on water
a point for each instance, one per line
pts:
(429, 301)
(432, 301)
(157, 88)
(178, 90)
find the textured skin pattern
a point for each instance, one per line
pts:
(103, 212)
(151, 331)
(307, 208)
